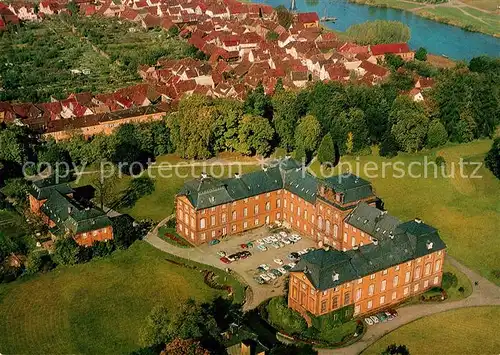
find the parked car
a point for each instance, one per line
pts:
(389, 315)
(264, 267)
(221, 253)
(271, 276)
(259, 241)
(393, 312)
(243, 246)
(214, 242)
(273, 238)
(382, 317)
(259, 280)
(225, 260)
(250, 245)
(278, 261)
(244, 254)
(310, 249)
(295, 238)
(276, 272)
(285, 241)
(293, 256)
(265, 278)
(281, 244)
(283, 234)
(282, 270)
(292, 265)
(233, 257)
(301, 252)
(368, 321)
(262, 247)
(275, 245)
(287, 267)
(374, 319)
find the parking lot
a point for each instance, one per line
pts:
(248, 267)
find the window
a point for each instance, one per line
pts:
(335, 302)
(203, 223)
(426, 283)
(371, 290)
(203, 237)
(312, 292)
(405, 292)
(335, 231)
(320, 223)
(291, 207)
(417, 273)
(278, 216)
(369, 304)
(212, 209)
(353, 241)
(383, 285)
(212, 220)
(257, 197)
(245, 212)
(436, 280)
(213, 234)
(345, 237)
(372, 277)
(180, 227)
(256, 209)
(397, 268)
(395, 281)
(360, 281)
(285, 203)
(358, 294)
(268, 206)
(407, 277)
(245, 200)
(323, 306)
(415, 288)
(437, 266)
(305, 215)
(439, 252)
(427, 269)
(245, 225)
(394, 295)
(268, 194)
(357, 309)
(256, 222)
(327, 227)
(382, 299)
(234, 215)
(278, 203)
(384, 272)
(233, 227)
(224, 218)
(347, 298)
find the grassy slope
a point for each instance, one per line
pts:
(94, 308)
(464, 210)
(463, 331)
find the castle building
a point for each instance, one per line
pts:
(370, 259)
(53, 201)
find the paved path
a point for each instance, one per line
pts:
(485, 294)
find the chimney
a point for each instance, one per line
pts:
(418, 220)
(264, 168)
(237, 175)
(204, 175)
(429, 245)
(335, 276)
(375, 241)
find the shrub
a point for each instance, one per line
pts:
(285, 318)
(440, 160)
(437, 134)
(421, 54)
(388, 147)
(394, 349)
(449, 280)
(102, 248)
(35, 261)
(66, 251)
(461, 289)
(171, 223)
(492, 159)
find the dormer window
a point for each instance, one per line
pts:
(429, 245)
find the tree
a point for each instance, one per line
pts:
(53, 153)
(35, 261)
(285, 17)
(258, 103)
(492, 159)
(105, 188)
(339, 131)
(379, 31)
(465, 129)
(421, 54)
(255, 135)
(228, 114)
(66, 251)
(8, 245)
(326, 150)
(286, 349)
(484, 64)
(388, 147)
(437, 135)
(300, 154)
(285, 117)
(410, 130)
(357, 128)
(184, 347)
(394, 349)
(393, 61)
(192, 127)
(17, 146)
(157, 329)
(449, 280)
(307, 133)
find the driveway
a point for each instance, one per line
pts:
(245, 268)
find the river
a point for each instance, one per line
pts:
(437, 38)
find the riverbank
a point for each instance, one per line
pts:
(453, 12)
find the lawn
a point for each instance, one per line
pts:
(11, 224)
(465, 210)
(462, 331)
(95, 308)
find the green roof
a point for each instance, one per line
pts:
(70, 215)
(41, 189)
(410, 240)
(208, 192)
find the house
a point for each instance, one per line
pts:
(401, 49)
(151, 21)
(53, 201)
(239, 340)
(308, 19)
(416, 95)
(424, 83)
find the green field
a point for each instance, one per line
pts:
(95, 308)
(465, 210)
(463, 331)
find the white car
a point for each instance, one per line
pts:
(295, 237)
(374, 319)
(273, 238)
(301, 252)
(285, 240)
(259, 241)
(283, 271)
(265, 278)
(278, 261)
(264, 267)
(368, 321)
(292, 265)
(275, 245)
(271, 275)
(267, 240)
(283, 234)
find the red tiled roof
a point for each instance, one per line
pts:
(381, 49)
(374, 68)
(308, 17)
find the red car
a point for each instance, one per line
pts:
(225, 260)
(243, 246)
